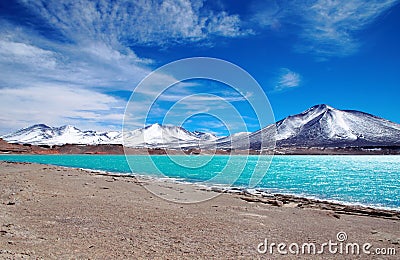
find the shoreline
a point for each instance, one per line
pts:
(48, 211)
(261, 195)
(272, 198)
(104, 149)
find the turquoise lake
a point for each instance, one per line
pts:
(366, 180)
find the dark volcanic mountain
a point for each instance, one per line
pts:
(322, 126)
(326, 126)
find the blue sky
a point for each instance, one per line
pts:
(77, 62)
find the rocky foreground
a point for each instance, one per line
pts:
(55, 212)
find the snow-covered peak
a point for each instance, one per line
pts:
(157, 135)
(323, 125)
(36, 127)
(153, 126)
(205, 136)
(67, 129)
(320, 108)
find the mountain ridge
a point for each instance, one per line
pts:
(319, 126)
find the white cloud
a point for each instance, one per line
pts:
(268, 13)
(83, 64)
(226, 25)
(22, 53)
(325, 27)
(56, 105)
(287, 79)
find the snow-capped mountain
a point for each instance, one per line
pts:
(42, 134)
(322, 125)
(164, 136)
(319, 126)
(325, 126)
(155, 135)
(205, 136)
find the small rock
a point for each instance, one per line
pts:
(11, 242)
(267, 195)
(278, 203)
(11, 203)
(336, 216)
(395, 242)
(374, 232)
(216, 189)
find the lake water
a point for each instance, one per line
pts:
(366, 180)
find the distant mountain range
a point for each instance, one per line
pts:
(319, 126)
(42, 134)
(154, 135)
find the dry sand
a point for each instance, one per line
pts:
(53, 212)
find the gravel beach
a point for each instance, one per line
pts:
(55, 212)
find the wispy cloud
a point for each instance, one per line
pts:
(137, 22)
(324, 27)
(268, 13)
(287, 79)
(330, 26)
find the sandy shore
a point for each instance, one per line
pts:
(54, 212)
